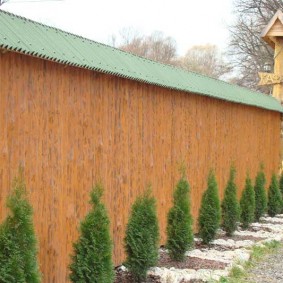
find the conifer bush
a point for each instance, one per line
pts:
(247, 204)
(18, 244)
(281, 183)
(274, 197)
(260, 194)
(210, 211)
(230, 205)
(142, 237)
(179, 222)
(92, 257)
(281, 188)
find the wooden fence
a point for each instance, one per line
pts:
(70, 127)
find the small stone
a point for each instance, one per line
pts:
(122, 268)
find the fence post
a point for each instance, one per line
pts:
(273, 35)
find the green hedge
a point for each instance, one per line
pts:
(180, 236)
(210, 211)
(92, 258)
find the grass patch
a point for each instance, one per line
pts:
(239, 274)
(258, 252)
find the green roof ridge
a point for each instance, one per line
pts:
(57, 45)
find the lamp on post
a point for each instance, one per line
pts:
(267, 67)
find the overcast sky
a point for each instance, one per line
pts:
(188, 22)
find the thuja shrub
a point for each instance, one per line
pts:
(92, 257)
(210, 211)
(230, 205)
(274, 197)
(179, 222)
(142, 237)
(260, 194)
(281, 183)
(18, 244)
(281, 188)
(247, 204)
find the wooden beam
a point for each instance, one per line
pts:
(278, 68)
(273, 27)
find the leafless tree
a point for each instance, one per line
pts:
(206, 60)
(156, 46)
(249, 54)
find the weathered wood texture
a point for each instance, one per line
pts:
(70, 127)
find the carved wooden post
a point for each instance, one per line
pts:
(273, 35)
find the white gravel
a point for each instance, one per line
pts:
(273, 228)
(233, 244)
(239, 253)
(222, 256)
(174, 275)
(272, 219)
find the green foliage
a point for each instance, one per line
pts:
(210, 211)
(260, 194)
(281, 187)
(18, 244)
(281, 183)
(92, 258)
(142, 237)
(230, 205)
(247, 204)
(179, 222)
(274, 197)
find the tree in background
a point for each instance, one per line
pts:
(247, 204)
(18, 244)
(210, 211)
(203, 59)
(260, 194)
(155, 46)
(92, 258)
(179, 222)
(249, 53)
(274, 197)
(142, 237)
(206, 60)
(230, 205)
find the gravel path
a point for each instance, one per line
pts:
(270, 270)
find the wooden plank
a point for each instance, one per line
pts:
(71, 127)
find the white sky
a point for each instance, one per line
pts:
(189, 22)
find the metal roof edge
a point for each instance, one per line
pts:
(275, 105)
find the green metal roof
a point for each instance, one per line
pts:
(29, 37)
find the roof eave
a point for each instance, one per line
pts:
(278, 16)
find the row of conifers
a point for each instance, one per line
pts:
(91, 260)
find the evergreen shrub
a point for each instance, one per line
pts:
(247, 204)
(274, 197)
(260, 194)
(92, 257)
(210, 211)
(281, 188)
(230, 205)
(18, 244)
(179, 222)
(142, 237)
(281, 183)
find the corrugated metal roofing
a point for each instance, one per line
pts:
(29, 37)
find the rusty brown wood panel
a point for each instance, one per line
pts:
(71, 127)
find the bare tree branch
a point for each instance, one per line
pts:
(206, 60)
(156, 46)
(248, 51)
